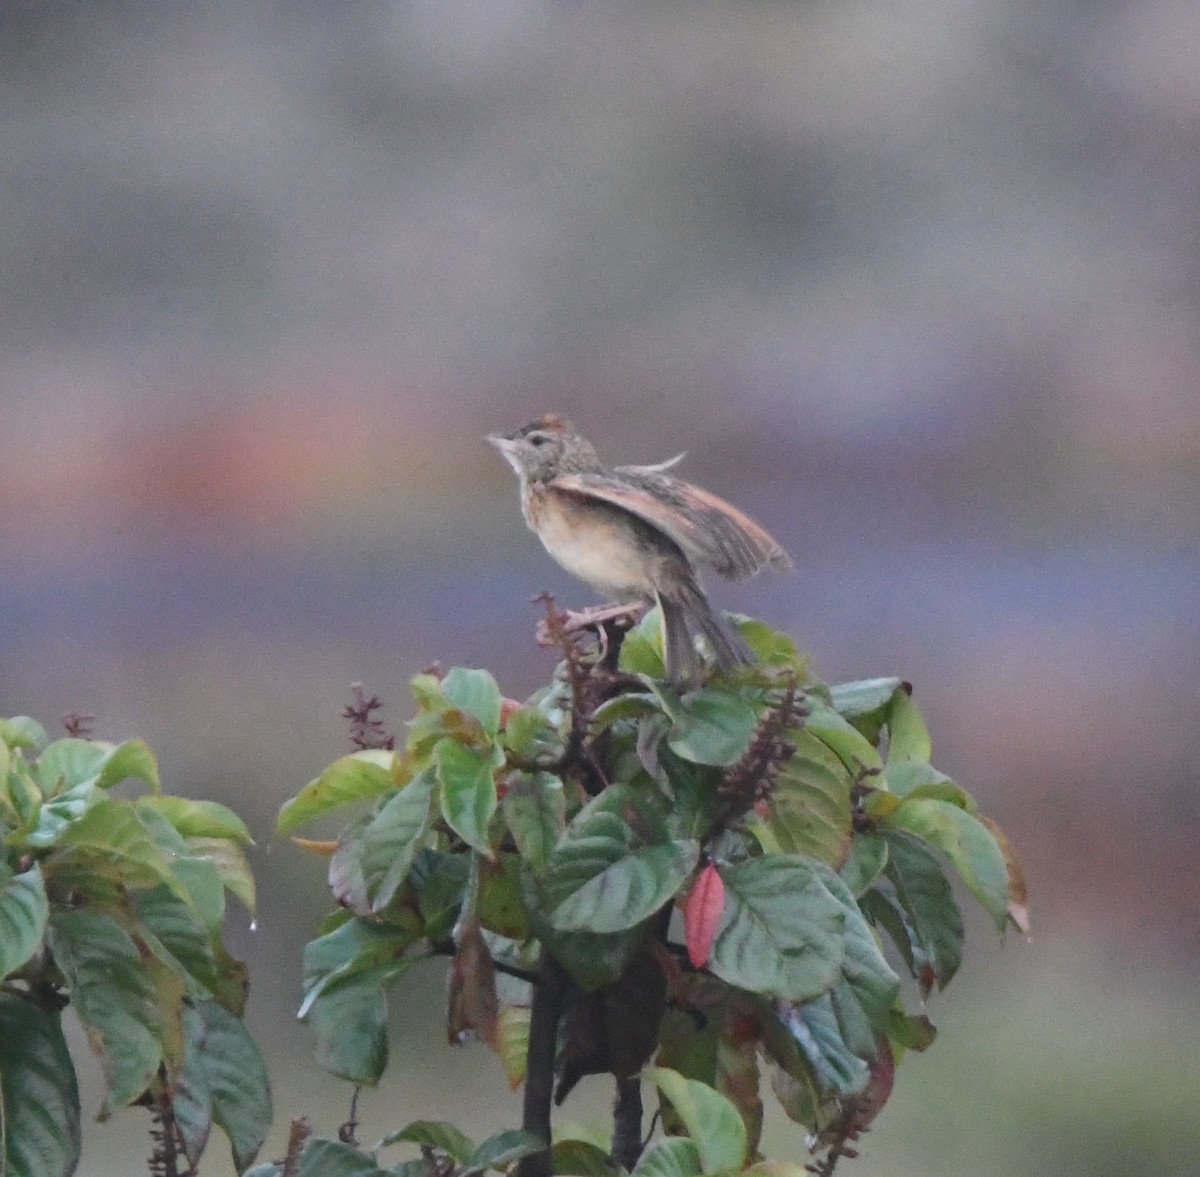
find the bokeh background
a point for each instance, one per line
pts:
(917, 284)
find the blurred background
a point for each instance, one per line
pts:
(916, 284)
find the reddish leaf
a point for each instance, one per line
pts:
(702, 914)
(474, 1006)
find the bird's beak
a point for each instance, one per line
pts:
(507, 447)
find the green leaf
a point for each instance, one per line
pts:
(864, 697)
(47, 820)
(132, 760)
(109, 843)
(437, 1134)
(632, 705)
(427, 691)
(350, 1027)
(625, 892)
(226, 858)
(814, 1026)
(854, 750)
(769, 646)
(592, 958)
(642, 649)
(500, 908)
(393, 836)
(476, 693)
(20, 731)
(529, 735)
(332, 1158)
(810, 806)
(867, 975)
(967, 843)
(908, 737)
(439, 879)
(223, 1080)
(115, 997)
(180, 938)
(918, 778)
(349, 951)
(582, 1158)
(502, 1149)
(711, 727)
(597, 880)
(711, 1120)
(198, 819)
(24, 911)
(673, 1156)
(66, 764)
(933, 922)
(868, 857)
(468, 793)
(534, 808)
(39, 1099)
(361, 776)
(782, 930)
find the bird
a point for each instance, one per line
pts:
(636, 534)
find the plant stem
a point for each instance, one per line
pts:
(540, 1059)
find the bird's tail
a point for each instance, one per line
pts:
(686, 612)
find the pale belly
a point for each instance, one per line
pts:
(599, 548)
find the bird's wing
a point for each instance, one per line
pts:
(707, 528)
(654, 467)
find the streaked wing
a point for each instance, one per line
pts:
(706, 527)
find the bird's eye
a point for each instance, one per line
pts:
(537, 439)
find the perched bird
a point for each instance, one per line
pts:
(636, 534)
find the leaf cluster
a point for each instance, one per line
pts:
(733, 877)
(114, 904)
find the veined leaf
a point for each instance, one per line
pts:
(223, 1080)
(468, 793)
(39, 1099)
(814, 1026)
(476, 693)
(810, 806)
(24, 911)
(854, 750)
(393, 836)
(114, 994)
(198, 819)
(932, 922)
(534, 808)
(598, 879)
(673, 1156)
(109, 843)
(712, 1122)
(782, 931)
(361, 776)
(625, 892)
(438, 1134)
(967, 843)
(502, 1149)
(350, 950)
(350, 1026)
(711, 726)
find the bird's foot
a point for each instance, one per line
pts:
(596, 618)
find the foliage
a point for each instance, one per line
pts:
(113, 905)
(731, 879)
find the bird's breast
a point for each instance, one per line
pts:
(597, 543)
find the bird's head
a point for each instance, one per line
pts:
(545, 447)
